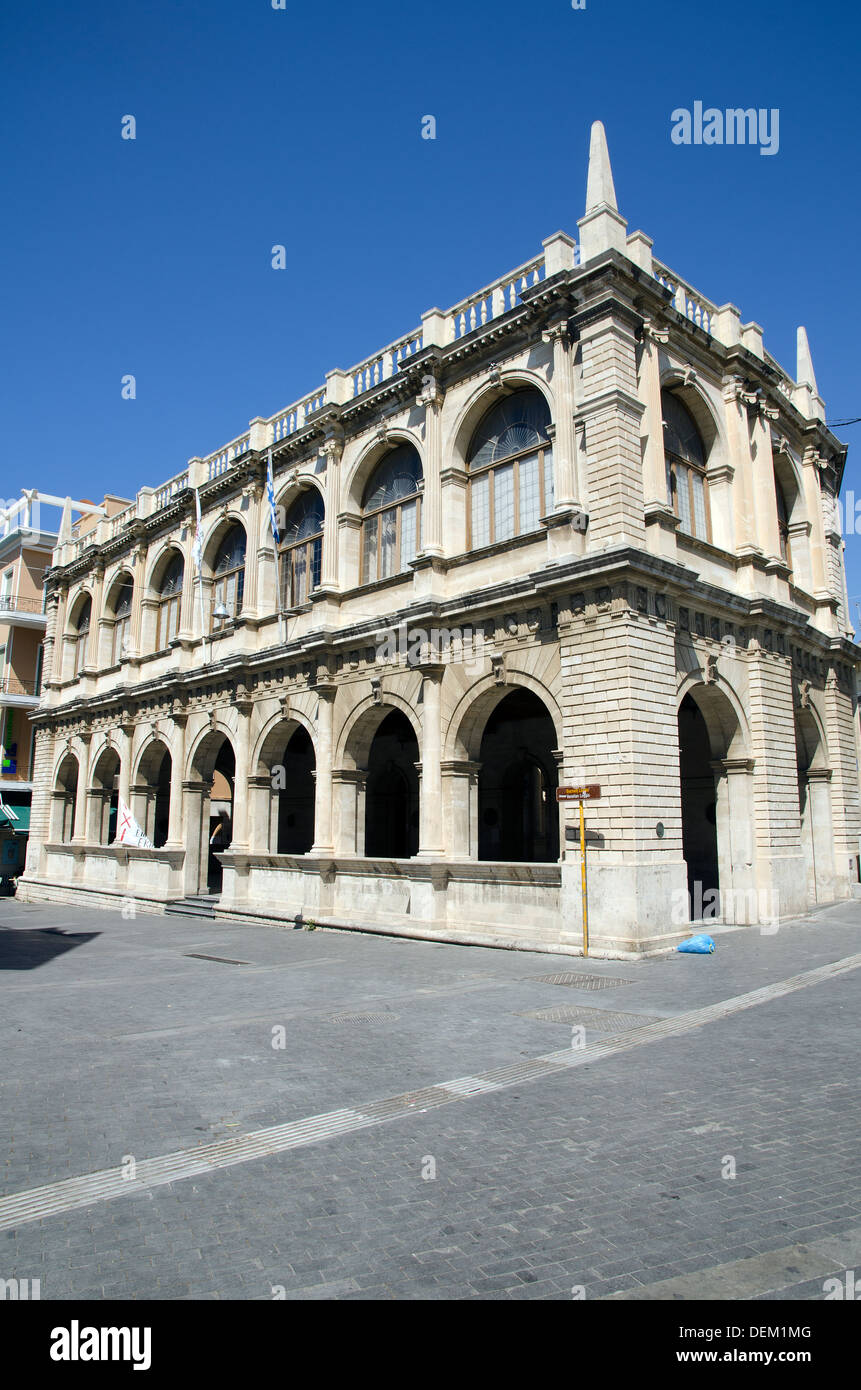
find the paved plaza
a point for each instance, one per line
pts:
(205, 1110)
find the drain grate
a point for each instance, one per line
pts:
(222, 960)
(581, 981)
(364, 1018)
(602, 1020)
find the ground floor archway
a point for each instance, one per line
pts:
(518, 820)
(392, 790)
(699, 809)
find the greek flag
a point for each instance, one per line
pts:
(270, 493)
(197, 544)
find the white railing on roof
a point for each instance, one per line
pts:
(495, 299)
(220, 461)
(785, 383)
(686, 300)
(167, 490)
(117, 522)
(294, 418)
(385, 364)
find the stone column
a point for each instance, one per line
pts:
(92, 658)
(244, 706)
(254, 494)
(323, 819)
(195, 793)
(564, 446)
(332, 448)
(432, 399)
(348, 788)
(460, 803)
(764, 494)
(738, 434)
(733, 788)
(126, 737)
(818, 835)
(654, 456)
(177, 772)
(136, 624)
(431, 834)
(80, 828)
(55, 671)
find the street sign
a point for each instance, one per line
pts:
(589, 793)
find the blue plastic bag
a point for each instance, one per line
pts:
(701, 945)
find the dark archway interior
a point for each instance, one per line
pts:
(699, 801)
(161, 814)
(296, 798)
(518, 821)
(220, 814)
(392, 791)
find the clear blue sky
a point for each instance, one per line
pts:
(302, 126)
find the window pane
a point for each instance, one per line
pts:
(300, 574)
(503, 503)
(369, 558)
(684, 498)
(174, 618)
(316, 561)
(480, 490)
(408, 533)
(699, 506)
(549, 482)
(388, 538)
(530, 508)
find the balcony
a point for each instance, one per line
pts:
(22, 612)
(18, 694)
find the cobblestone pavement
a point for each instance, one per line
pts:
(122, 1040)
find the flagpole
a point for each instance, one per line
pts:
(196, 551)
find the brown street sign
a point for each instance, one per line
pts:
(590, 793)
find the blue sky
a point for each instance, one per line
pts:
(302, 127)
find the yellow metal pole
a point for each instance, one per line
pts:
(583, 881)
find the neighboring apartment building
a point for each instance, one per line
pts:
(580, 527)
(29, 531)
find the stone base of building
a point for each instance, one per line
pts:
(633, 908)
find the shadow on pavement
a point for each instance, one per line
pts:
(21, 949)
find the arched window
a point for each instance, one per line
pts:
(302, 548)
(686, 467)
(511, 469)
(82, 633)
(391, 511)
(169, 599)
(122, 615)
(229, 574)
(783, 523)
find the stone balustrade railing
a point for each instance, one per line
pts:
(686, 300)
(163, 494)
(219, 462)
(295, 417)
(386, 363)
(496, 299)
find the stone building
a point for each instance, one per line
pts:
(30, 527)
(579, 527)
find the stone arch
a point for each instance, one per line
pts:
(64, 796)
(716, 801)
(465, 728)
(729, 732)
(358, 730)
(372, 455)
(283, 785)
(706, 417)
(210, 805)
(814, 804)
(484, 397)
(159, 562)
(103, 796)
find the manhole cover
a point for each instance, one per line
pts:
(602, 1020)
(222, 960)
(581, 981)
(364, 1018)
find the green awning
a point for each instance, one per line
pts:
(15, 818)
